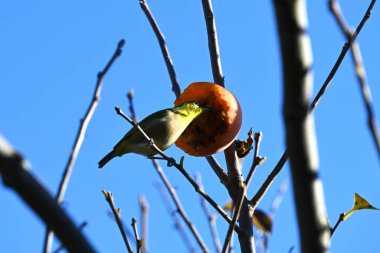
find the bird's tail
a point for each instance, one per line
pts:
(106, 159)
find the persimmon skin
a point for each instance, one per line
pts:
(215, 129)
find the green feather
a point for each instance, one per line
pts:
(164, 127)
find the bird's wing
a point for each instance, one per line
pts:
(147, 124)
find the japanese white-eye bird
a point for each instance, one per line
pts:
(164, 127)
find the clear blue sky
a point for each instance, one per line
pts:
(52, 51)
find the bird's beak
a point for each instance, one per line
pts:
(203, 107)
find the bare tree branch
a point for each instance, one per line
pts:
(213, 43)
(125, 227)
(80, 227)
(360, 73)
(263, 234)
(79, 140)
(177, 222)
(256, 158)
(341, 56)
(299, 124)
(130, 95)
(144, 221)
(116, 213)
(219, 171)
(84, 124)
(210, 218)
(235, 217)
(268, 182)
(137, 237)
(178, 204)
(153, 145)
(341, 216)
(164, 49)
(206, 196)
(15, 173)
(235, 189)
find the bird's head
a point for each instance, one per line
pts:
(191, 109)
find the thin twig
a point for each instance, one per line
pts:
(137, 237)
(210, 218)
(172, 162)
(164, 49)
(135, 124)
(15, 174)
(84, 124)
(267, 183)
(116, 212)
(206, 196)
(235, 217)
(342, 54)
(177, 222)
(263, 189)
(144, 221)
(112, 217)
(125, 227)
(131, 107)
(256, 158)
(219, 171)
(359, 71)
(180, 209)
(337, 224)
(213, 43)
(79, 140)
(271, 213)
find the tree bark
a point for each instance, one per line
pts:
(235, 188)
(15, 174)
(300, 134)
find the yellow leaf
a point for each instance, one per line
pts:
(262, 221)
(359, 203)
(228, 206)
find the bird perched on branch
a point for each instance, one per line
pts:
(164, 127)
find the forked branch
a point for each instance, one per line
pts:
(359, 71)
(116, 213)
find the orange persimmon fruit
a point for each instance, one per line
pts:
(215, 129)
